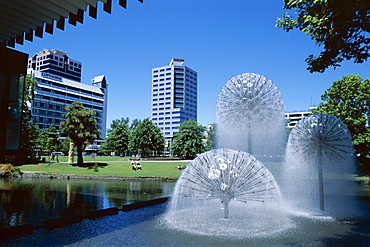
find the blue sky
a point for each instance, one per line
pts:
(218, 39)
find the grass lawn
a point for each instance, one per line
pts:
(116, 166)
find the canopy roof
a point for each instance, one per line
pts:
(20, 19)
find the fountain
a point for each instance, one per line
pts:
(316, 142)
(224, 179)
(249, 111)
(238, 186)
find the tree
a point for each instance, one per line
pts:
(211, 136)
(80, 126)
(348, 99)
(118, 136)
(340, 26)
(49, 139)
(146, 137)
(29, 133)
(189, 139)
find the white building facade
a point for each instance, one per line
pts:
(174, 97)
(54, 92)
(293, 117)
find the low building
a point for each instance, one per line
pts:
(294, 116)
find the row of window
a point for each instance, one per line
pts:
(57, 58)
(160, 75)
(167, 118)
(156, 99)
(47, 120)
(165, 123)
(67, 102)
(61, 95)
(68, 88)
(161, 89)
(161, 84)
(162, 79)
(161, 70)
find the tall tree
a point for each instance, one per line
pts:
(146, 137)
(29, 133)
(189, 139)
(81, 127)
(349, 100)
(341, 27)
(118, 136)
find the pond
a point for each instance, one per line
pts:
(31, 201)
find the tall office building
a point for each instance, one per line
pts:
(57, 63)
(174, 97)
(56, 89)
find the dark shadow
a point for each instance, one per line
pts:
(90, 164)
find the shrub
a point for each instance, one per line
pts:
(6, 170)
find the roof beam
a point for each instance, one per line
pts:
(39, 9)
(52, 7)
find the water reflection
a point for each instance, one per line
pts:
(24, 201)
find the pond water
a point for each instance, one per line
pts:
(31, 201)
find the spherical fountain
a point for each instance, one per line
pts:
(249, 111)
(316, 143)
(230, 188)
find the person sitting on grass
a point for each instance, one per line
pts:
(138, 166)
(133, 165)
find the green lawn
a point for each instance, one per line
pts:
(116, 166)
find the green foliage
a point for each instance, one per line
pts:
(48, 139)
(146, 137)
(81, 127)
(29, 133)
(348, 99)
(211, 137)
(339, 26)
(189, 139)
(118, 136)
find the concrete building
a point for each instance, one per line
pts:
(293, 117)
(57, 63)
(55, 91)
(174, 97)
